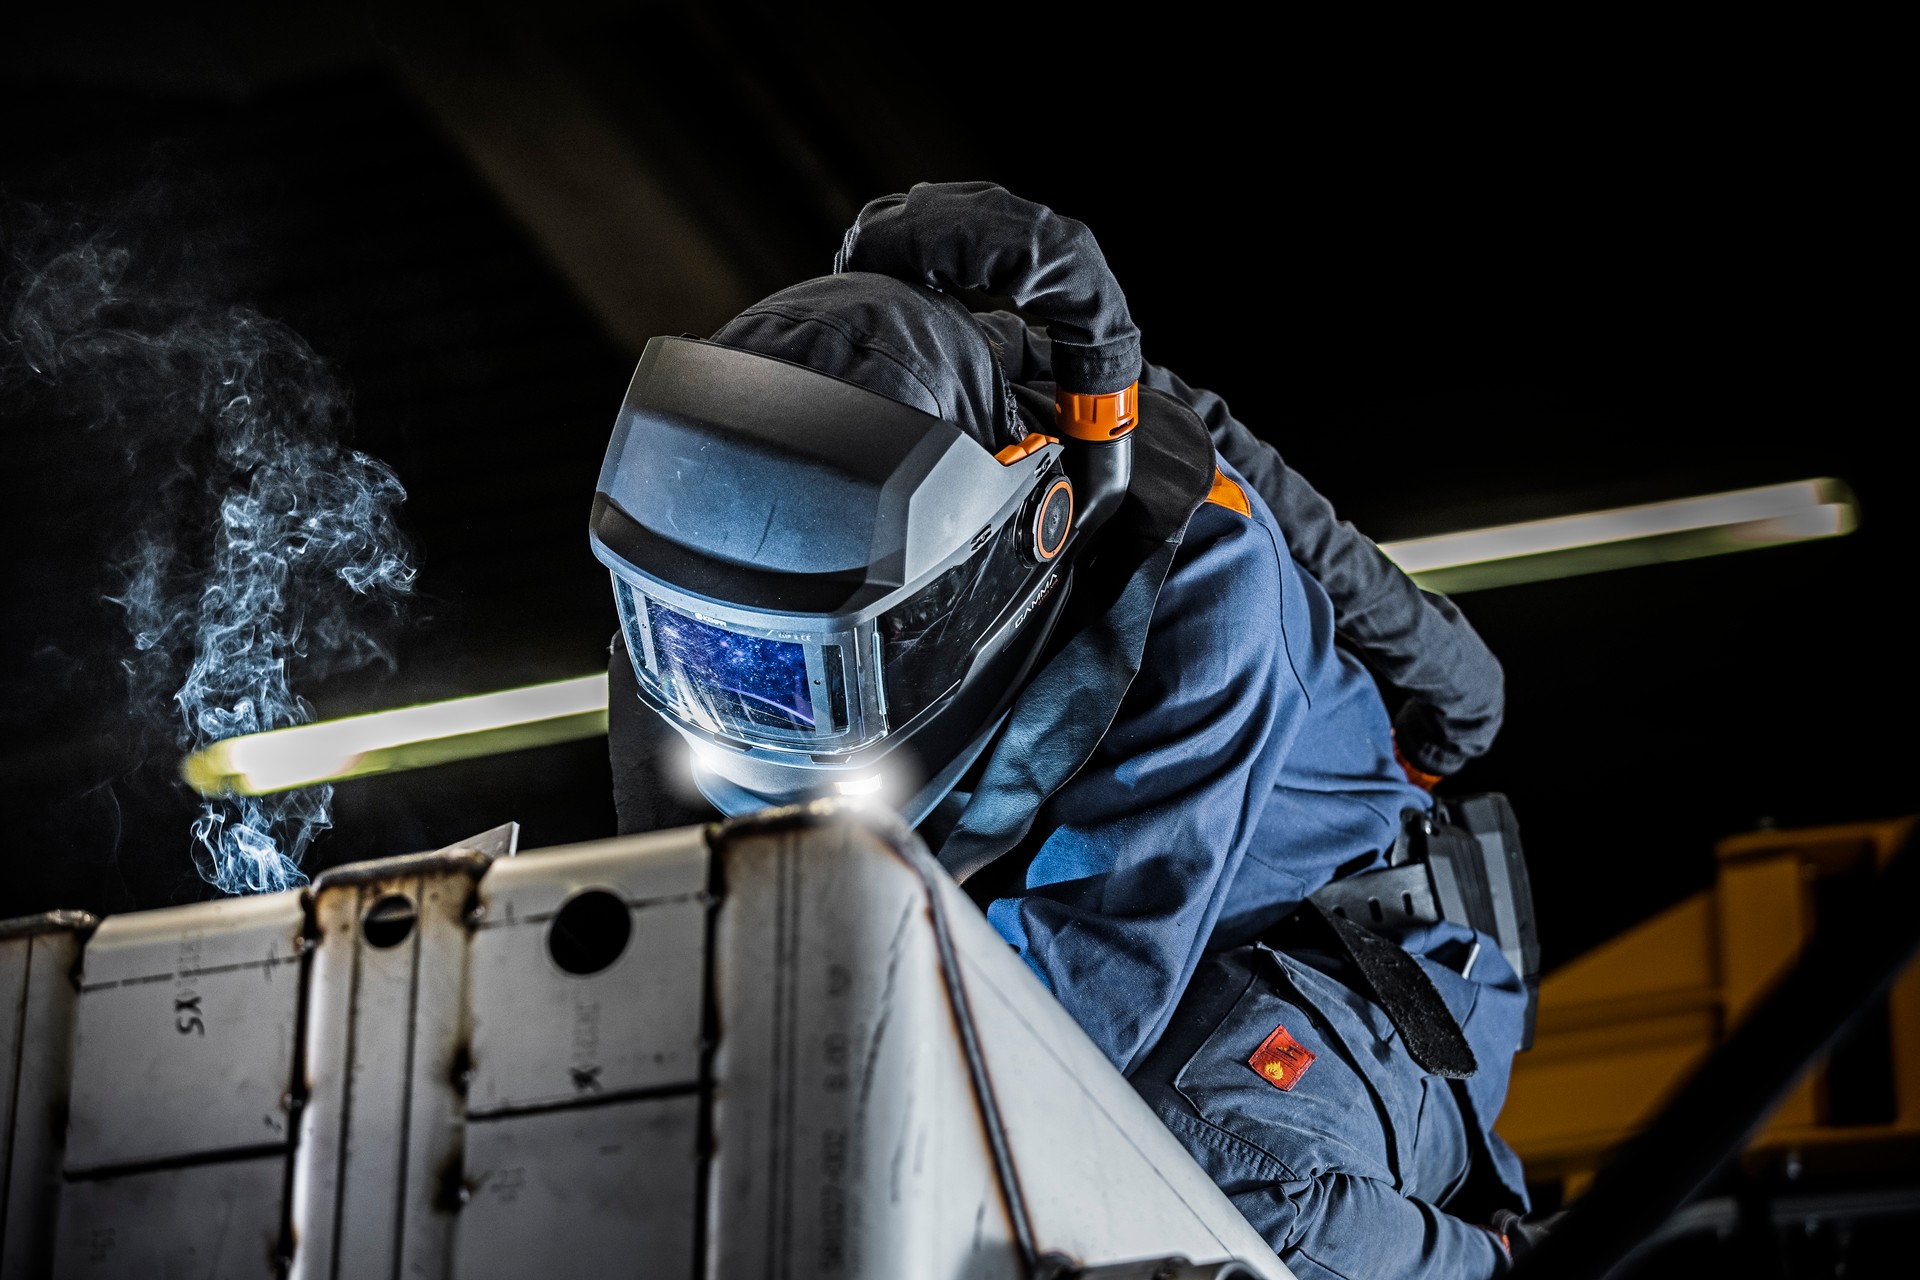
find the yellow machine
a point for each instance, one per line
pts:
(1622, 1026)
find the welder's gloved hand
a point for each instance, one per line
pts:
(1415, 774)
(976, 235)
(1520, 1236)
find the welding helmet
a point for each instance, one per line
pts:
(838, 541)
(814, 578)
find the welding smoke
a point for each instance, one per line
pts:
(259, 546)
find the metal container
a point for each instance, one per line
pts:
(783, 1046)
(39, 957)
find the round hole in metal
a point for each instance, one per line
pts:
(589, 932)
(388, 921)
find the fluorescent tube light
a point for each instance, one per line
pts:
(1654, 533)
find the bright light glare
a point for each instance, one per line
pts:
(515, 719)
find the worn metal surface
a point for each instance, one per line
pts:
(877, 1043)
(220, 1221)
(38, 959)
(183, 1054)
(184, 1045)
(610, 1190)
(1161, 1269)
(846, 1134)
(545, 1036)
(584, 1108)
(378, 1165)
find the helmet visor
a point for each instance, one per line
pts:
(841, 688)
(763, 688)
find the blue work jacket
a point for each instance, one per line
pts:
(1250, 761)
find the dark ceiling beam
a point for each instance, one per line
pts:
(639, 259)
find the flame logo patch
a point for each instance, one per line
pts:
(1281, 1060)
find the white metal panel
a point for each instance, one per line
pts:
(1103, 1179)
(220, 1221)
(545, 1036)
(850, 1123)
(185, 1037)
(602, 1191)
(378, 1161)
(37, 995)
(846, 1135)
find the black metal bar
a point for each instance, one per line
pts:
(1845, 967)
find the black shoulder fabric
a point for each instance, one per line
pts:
(975, 235)
(1064, 711)
(1416, 642)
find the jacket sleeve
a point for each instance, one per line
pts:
(1415, 641)
(1143, 843)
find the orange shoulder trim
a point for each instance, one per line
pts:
(1228, 494)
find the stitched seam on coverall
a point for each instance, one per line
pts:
(1254, 1161)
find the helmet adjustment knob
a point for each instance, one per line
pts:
(1048, 519)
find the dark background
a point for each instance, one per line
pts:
(1458, 275)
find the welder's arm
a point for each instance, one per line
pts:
(1145, 841)
(1414, 640)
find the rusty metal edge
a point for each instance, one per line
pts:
(80, 922)
(464, 861)
(469, 856)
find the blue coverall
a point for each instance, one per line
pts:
(1252, 759)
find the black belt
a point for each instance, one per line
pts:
(1474, 874)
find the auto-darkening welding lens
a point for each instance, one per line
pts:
(749, 679)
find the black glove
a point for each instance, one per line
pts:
(1520, 1236)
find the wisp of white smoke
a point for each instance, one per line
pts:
(264, 545)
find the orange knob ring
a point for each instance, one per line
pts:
(1097, 418)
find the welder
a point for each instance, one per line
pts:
(1124, 670)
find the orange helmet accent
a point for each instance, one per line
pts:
(1097, 418)
(1059, 491)
(1033, 444)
